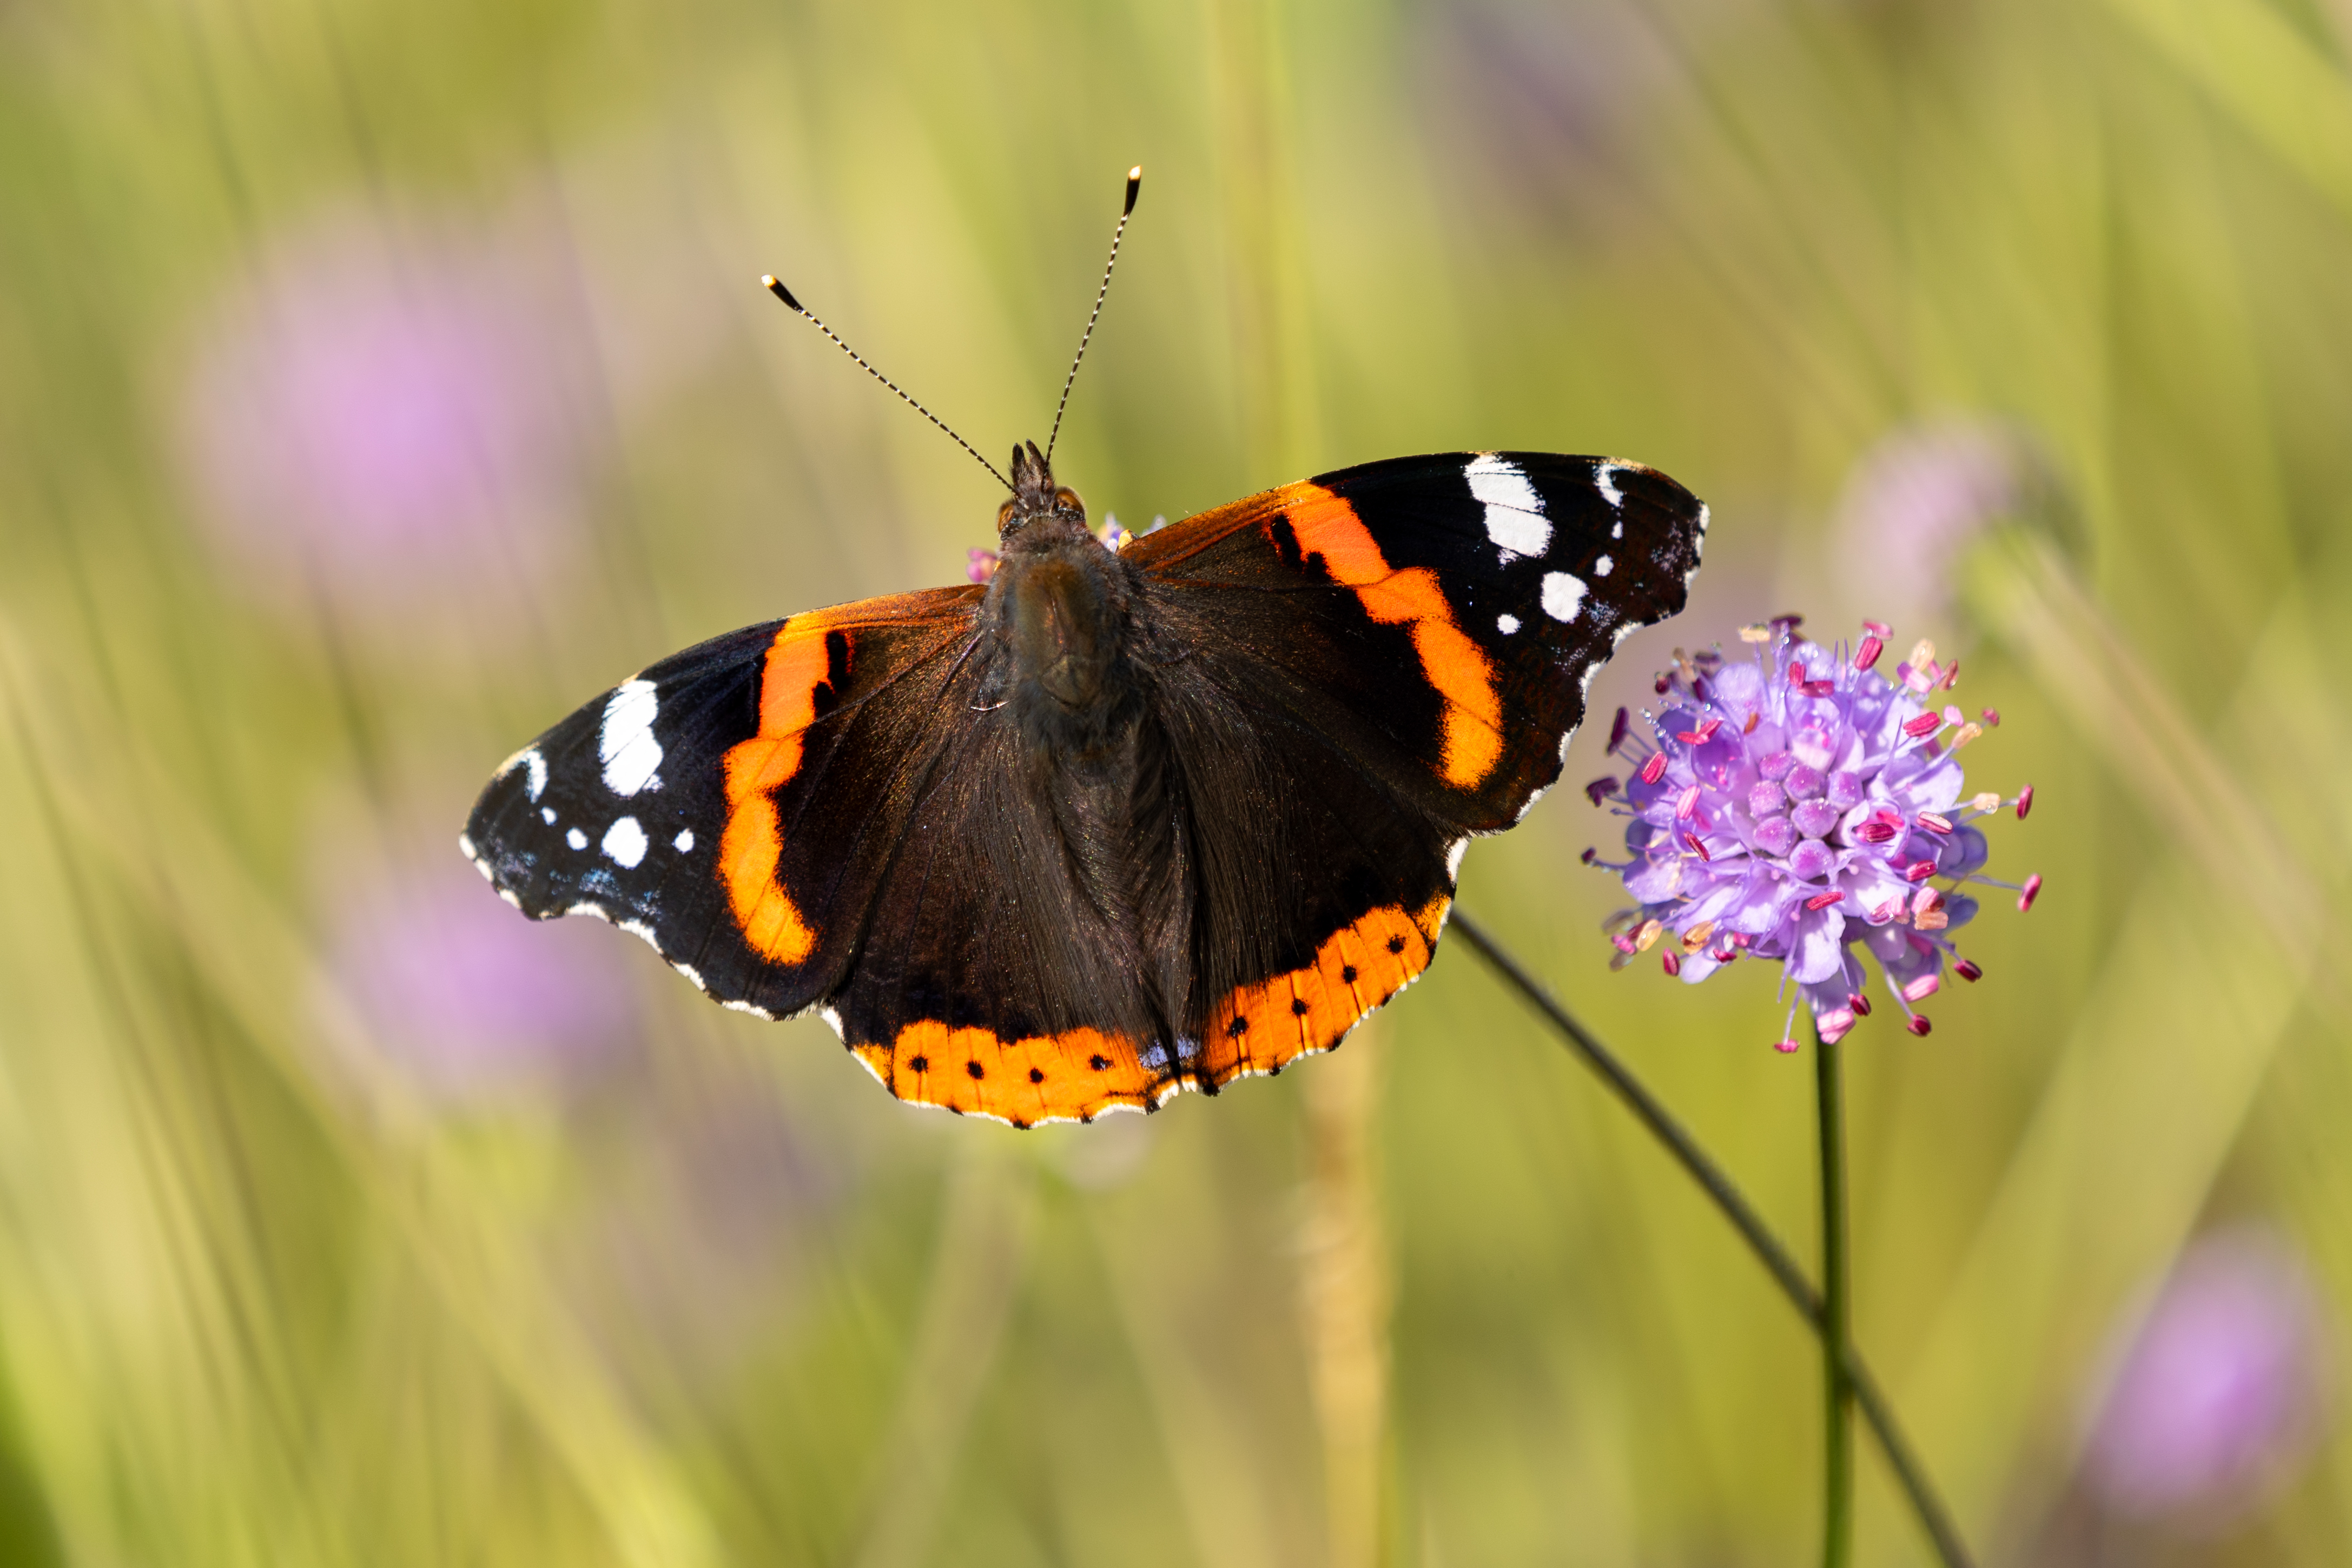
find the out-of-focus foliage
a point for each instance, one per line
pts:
(377, 380)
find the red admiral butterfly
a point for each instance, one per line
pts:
(1117, 823)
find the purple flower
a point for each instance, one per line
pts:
(469, 1003)
(1916, 499)
(2213, 1394)
(1800, 807)
(385, 422)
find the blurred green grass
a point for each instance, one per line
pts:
(269, 1296)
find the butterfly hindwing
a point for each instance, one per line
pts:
(1277, 894)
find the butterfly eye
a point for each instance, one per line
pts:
(1067, 500)
(1003, 516)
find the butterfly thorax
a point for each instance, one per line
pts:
(1059, 606)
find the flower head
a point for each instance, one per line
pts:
(470, 1005)
(389, 424)
(2212, 1394)
(1801, 807)
(1919, 498)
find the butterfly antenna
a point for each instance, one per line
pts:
(1134, 184)
(775, 287)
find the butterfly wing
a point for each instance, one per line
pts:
(735, 804)
(1004, 976)
(1443, 615)
(1052, 942)
(1408, 646)
(1342, 680)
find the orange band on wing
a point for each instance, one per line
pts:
(1077, 1075)
(1327, 526)
(753, 843)
(1083, 1072)
(1357, 968)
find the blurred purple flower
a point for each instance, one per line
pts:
(469, 1003)
(2215, 1392)
(384, 421)
(1800, 807)
(1916, 499)
(1562, 100)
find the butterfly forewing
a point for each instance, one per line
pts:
(735, 804)
(1445, 611)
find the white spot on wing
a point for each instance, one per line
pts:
(626, 743)
(1515, 517)
(547, 815)
(1603, 566)
(1507, 624)
(576, 838)
(1617, 529)
(534, 766)
(624, 842)
(1497, 481)
(1563, 595)
(1605, 479)
(684, 842)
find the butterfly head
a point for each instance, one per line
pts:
(1039, 511)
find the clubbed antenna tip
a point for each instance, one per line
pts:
(1134, 184)
(774, 286)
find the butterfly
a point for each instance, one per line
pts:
(1116, 822)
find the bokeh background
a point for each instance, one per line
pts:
(380, 380)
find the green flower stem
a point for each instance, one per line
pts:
(1837, 1437)
(1934, 1518)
